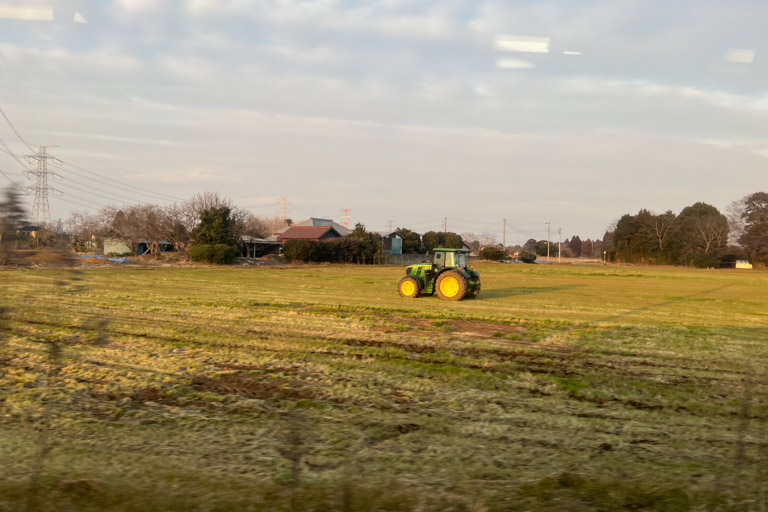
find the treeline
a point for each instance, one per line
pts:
(414, 243)
(697, 236)
(360, 246)
(172, 224)
(363, 247)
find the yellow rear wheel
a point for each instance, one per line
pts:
(451, 285)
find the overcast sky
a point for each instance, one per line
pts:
(406, 111)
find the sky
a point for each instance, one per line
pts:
(409, 113)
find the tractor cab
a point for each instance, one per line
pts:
(447, 258)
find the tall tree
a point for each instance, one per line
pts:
(659, 230)
(754, 238)
(216, 227)
(702, 235)
(411, 241)
(576, 246)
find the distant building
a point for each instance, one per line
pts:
(391, 243)
(312, 233)
(319, 222)
(252, 247)
(116, 246)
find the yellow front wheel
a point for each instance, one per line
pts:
(408, 287)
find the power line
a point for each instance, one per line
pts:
(102, 182)
(5, 175)
(114, 197)
(90, 207)
(5, 149)
(14, 129)
(166, 196)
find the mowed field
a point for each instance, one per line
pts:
(319, 388)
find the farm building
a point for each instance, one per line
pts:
(252, 247)
(312, 233)
(117, 246)
(391, 243)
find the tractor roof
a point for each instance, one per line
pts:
(446, 249)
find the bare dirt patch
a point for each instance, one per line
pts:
(252, 386)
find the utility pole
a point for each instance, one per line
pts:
(390, 224)
(41, 210)
(504, 237)
(559, 241)
(283, 207)
(345, 217)
(445, 225)
(549, 225)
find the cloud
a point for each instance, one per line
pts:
(136, 5)
(514, 64)
(740, 56)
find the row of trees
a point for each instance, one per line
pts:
(360, 246)
(700, 235)
(413, 243)
(174, 224)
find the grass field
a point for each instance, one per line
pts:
(319, 388)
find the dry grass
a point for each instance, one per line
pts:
(319, 388)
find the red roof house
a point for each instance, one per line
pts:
(313, 233)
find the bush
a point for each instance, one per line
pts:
(527, 257)
(493, 254)
(212, 253)
(355, 248)
(701, 260)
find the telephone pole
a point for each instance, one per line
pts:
(549, 225)
(504, 236)
(445, 225)
(559, 241)
(390, 224)
(41, 210)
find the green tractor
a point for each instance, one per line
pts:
(448, 275)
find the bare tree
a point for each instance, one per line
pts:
(659, 228)
(274, 224)
(188, 212)
(87, 226)
(249, 224)
(176, 232)
(735, 213)
(707, 234)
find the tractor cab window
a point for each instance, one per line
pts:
(461, 260)
(449, 259)
(439, 259)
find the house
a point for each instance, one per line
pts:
(312, 233)
(30, 230)
(319, 222)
